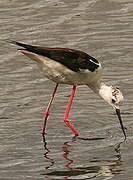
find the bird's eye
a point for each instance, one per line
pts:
(113, 101)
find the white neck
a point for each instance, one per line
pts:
(102, 90)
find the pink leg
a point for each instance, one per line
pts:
(66, 120)
(46, 114)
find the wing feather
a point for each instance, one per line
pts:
(73, 59)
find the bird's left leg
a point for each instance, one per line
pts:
(66, 120)
(46, 114)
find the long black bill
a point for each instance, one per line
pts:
(122, 127)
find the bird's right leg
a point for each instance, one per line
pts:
(66, 120)
(46, 113)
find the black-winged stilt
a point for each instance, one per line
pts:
(73, 67)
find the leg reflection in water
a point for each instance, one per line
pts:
(90, 165)
(46, 154)
(66, 150)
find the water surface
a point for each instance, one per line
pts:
(104, 30)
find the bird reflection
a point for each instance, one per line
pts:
(106, 171)
(66, 149)
(113, 168)
(67, 152)
(118, 150)
(106, 167)
(47, 151)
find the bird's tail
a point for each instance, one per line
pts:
(26, 46)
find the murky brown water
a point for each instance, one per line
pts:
(102, 28)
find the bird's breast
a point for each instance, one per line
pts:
(61, 74)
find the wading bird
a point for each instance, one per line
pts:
(73, 67)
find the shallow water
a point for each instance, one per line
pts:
(104, 30)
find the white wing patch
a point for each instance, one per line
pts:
(95, 62)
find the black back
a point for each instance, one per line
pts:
(73, 59)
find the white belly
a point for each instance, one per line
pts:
(61, 74)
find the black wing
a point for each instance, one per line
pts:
(73, 59)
